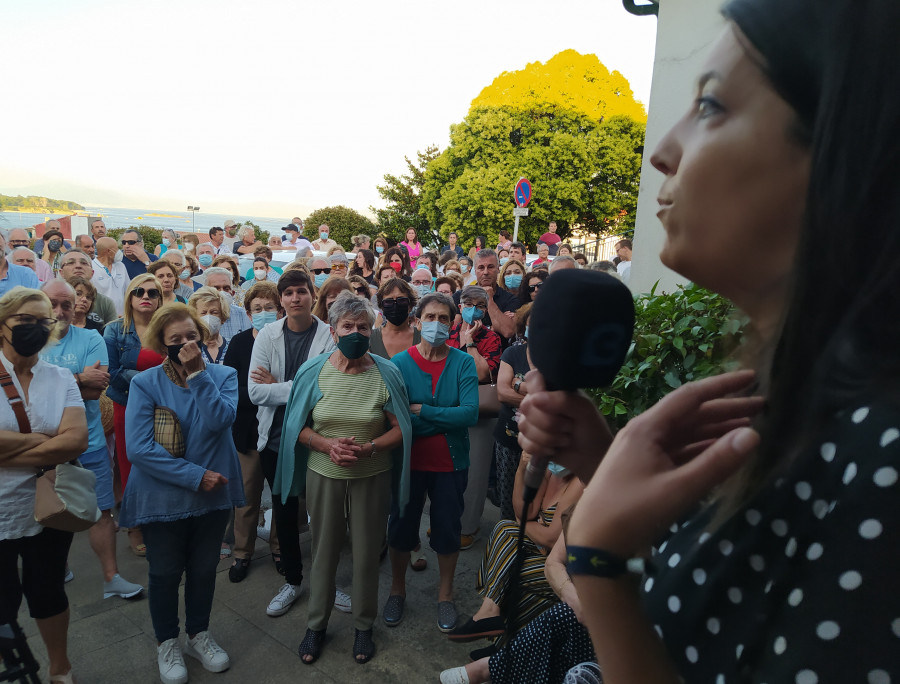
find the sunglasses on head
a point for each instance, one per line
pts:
(151, 292)
(319, 271)
(538, 285)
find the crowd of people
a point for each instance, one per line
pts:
(743, 529)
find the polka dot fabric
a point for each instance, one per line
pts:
(801, 585)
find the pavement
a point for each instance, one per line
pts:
(111, 640)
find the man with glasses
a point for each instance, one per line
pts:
(110, 277)
(221, 279)
(76, 264)
(135, 258)
(12, 275)
(83, 352)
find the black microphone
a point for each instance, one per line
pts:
(579, 332)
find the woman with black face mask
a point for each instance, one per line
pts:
(396, 300)
(45, 428)
(54, 248)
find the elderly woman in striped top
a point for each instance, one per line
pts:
(346, 441)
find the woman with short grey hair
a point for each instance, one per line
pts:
(346, 442)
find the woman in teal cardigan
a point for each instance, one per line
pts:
(346, 440)
(442, 383)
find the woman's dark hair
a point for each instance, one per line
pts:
(404, 255)
(368, 257)
(832, 62)
(261, 260)
(400, 284)
(440, 298)
(51, 234)
(483, 241)
(524, 295)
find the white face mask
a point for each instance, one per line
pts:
(214, 323)
(119, 256)
(189, 247)
(260, 273)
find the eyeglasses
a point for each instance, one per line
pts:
(129, 242)
(28, 319)
(361, 291)
(339, 267)
(221, 288)
(395, 301)
(319, 271)
(18, 243)
(151, 292)
(537, 286)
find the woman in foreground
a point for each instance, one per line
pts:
(780, 560)
(769, 578)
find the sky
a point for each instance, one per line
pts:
(272, 108)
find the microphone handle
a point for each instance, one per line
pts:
(534, 477)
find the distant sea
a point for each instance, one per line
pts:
(124, 218)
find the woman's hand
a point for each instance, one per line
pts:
(343, 451)
(565, 427)
(212, 481)
(261, 376)
(191, 358)
(664, 462)
(415, 409)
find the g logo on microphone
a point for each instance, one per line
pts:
(603, 346)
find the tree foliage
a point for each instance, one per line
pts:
(403, 197)
(343, 224)
(569, 126)
(41, 204)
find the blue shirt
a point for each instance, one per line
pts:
(162, 488)
(18, 275)
(135, 267)
(238, 321)
(74, 352)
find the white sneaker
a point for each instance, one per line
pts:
(119, 586)
(204, 648)
(171, 662)
(342, 601)
(283, 600)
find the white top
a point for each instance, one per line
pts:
(224, 248)
(624, 271)
(111, 282)
(301, 243)
(52, 390)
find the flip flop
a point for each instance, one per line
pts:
(417, 559)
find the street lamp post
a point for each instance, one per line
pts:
(192, 210)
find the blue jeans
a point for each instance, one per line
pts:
(188, 546)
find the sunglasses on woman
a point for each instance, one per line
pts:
(139, 292)
(538, 285)
(362, 291)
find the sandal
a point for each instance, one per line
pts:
(140, 549)
(224, 552)
(311, 646)
(363, 646)
(417, 559)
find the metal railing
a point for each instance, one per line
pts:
(600, 249)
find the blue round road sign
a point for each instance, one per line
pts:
(523, 192)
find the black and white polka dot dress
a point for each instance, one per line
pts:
(801, 585)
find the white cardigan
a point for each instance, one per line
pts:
(268, 352)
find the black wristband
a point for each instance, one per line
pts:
(583, 560)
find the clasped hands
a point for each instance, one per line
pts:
(344, 451)
(663, 463)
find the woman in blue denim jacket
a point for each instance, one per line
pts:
(127, 357)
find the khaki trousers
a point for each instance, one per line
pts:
(247, 518)
(363, 505)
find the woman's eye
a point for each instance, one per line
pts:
(707, 106)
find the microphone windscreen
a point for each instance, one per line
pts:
(580, 328)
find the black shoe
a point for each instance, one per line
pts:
(479, 629)
(480, 653)
(238, 570)
(311, 646)
(363, 646)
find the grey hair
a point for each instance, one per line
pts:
(211, 294)
(348, 305)
(474, 294)
(360, 239)
(20, 248)
(219, 270)
(74, 250)
(338, 259)
(170, 231)
(439, 298)
(604, 267)
(243, 231)
(562, 259)
(486, 254)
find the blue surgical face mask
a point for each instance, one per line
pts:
(504, 260)
(422, 290)
(470, 314)
(379, 249)
(513, 281)
(526, 332)
(464, 267)
(323, 236)
(320, 279)
(557, 469)
(205, 260)
(263, 318)
(435, 333)
(185, 274)
(166, 242)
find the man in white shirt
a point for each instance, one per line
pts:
(217, 237)
(295, 240)
(323, 244)
(110, 276)
(623, 251)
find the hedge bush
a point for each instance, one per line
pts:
(684, 335)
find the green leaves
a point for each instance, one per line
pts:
(403, 195)
(343, 223)
(679, 337)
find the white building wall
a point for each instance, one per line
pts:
(686, 29)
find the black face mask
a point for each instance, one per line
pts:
(29, 338)
(172, 350)
(396, 314)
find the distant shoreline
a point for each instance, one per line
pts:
(42, 210)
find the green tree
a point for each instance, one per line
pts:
(576, 134)
(343, 223)
(403, 197)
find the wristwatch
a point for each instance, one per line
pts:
(469, 345)
(374, 448)
(516, 385)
